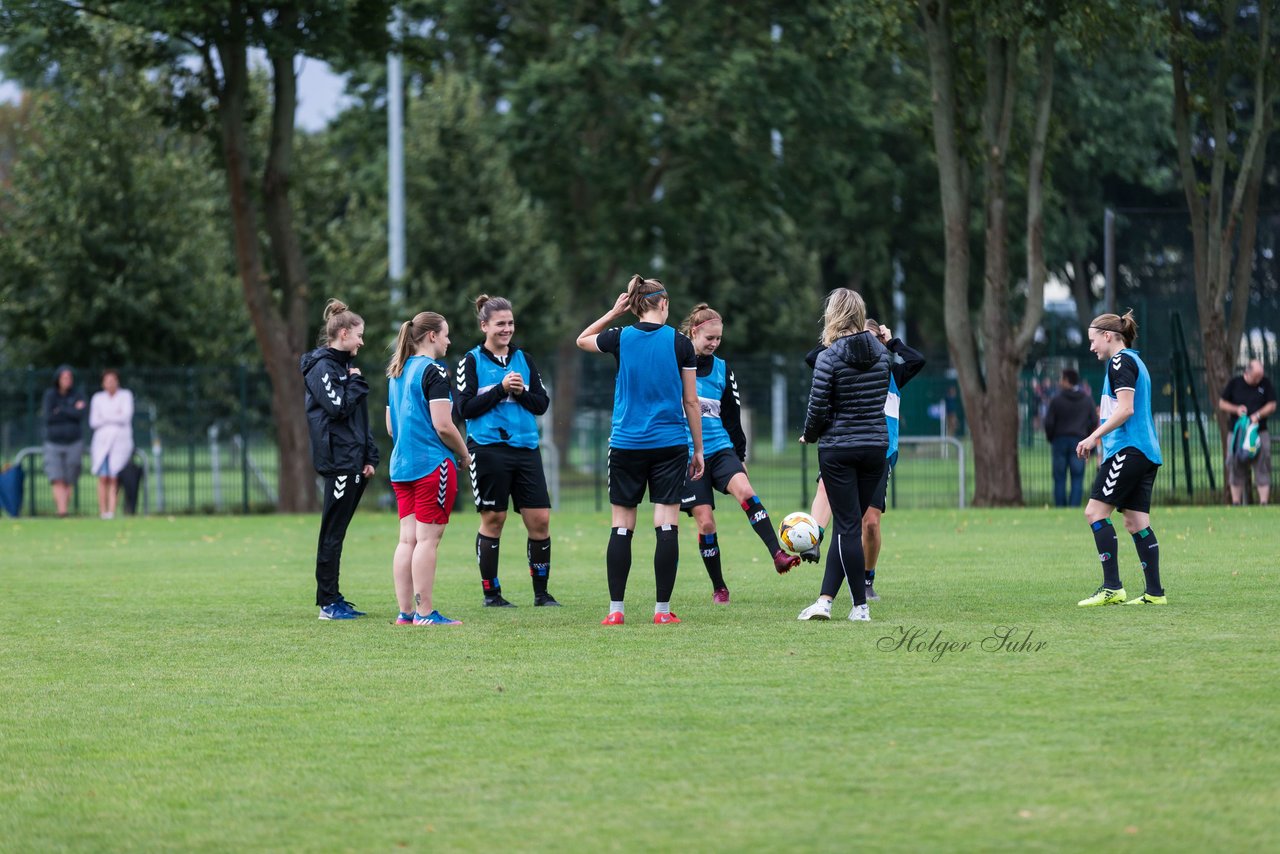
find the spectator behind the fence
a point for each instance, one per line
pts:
(1070, 417)
(1251, 394)
(64, 411)
(111, 418)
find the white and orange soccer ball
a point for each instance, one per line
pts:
(798, 532)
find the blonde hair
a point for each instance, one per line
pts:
(1123, 325)
(643, 294)
(410, 336)
(702, 313)
(487, 306)
(845, 314)
(337, 317)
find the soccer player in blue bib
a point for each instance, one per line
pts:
(655, 395)
(423, 473)
(725, 447)
(500, 394)
(1131, 458)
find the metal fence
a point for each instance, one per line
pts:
(209, 445)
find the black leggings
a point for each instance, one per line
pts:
(851, 476)
(341, 496)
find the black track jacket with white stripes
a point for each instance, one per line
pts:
(337, 413)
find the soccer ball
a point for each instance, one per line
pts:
(798, 532)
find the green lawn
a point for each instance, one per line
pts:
(168, 686)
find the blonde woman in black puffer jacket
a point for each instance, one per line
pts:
(845, 419)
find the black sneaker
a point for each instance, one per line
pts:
(496, 601)
(545, 600)
(872, 596)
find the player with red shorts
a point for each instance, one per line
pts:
(423, 471)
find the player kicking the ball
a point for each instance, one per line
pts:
(1131, 457)
(725, 446)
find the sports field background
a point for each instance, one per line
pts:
(168, 686)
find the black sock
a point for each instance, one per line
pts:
(1149, 557)
(871, 576)
(539, 552)
(711, 558)
(759, 519)
(618, 562)
(666, 559)
(487, 557)
(1104, 537)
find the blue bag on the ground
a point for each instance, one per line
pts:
(11, 490)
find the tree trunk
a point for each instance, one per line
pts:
(565, 395)
(276, 341)
(990, 387)
(1214, 217)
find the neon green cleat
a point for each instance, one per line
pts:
(1103, 596)
(1148, 599)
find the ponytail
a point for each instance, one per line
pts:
(1123, 325)
(702, 313)
(337, 317)
(643, 294)
(409, 337)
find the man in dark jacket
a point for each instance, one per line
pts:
(1071, 416)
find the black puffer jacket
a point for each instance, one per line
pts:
(337, 414)
(846, 401)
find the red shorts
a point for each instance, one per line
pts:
(430, 498)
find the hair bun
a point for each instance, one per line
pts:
(334, 306)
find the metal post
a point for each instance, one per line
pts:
(157, 467)
(804, 475)
(779, 406)
(899, 301)
(215, 467)
(1109, 259)
(395, 169)
(191, 440)
(244, 440)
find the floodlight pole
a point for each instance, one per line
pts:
(1109, 260)
(395, 170)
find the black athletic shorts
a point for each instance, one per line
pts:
(501, 472)
(662, 470)
(1125, 480)
(882, 488)
(721, 467)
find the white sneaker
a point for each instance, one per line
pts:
(820, 610)
(860, 614)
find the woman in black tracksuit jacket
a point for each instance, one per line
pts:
(342, 447)
(846, 419)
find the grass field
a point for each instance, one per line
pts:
(168, 686)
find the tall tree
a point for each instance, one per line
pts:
(993, 45)
(217, 40)
(112, 240)
(1225, 78)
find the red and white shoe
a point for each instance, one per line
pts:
(721, 596)
(615, 618)
(663, 619)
